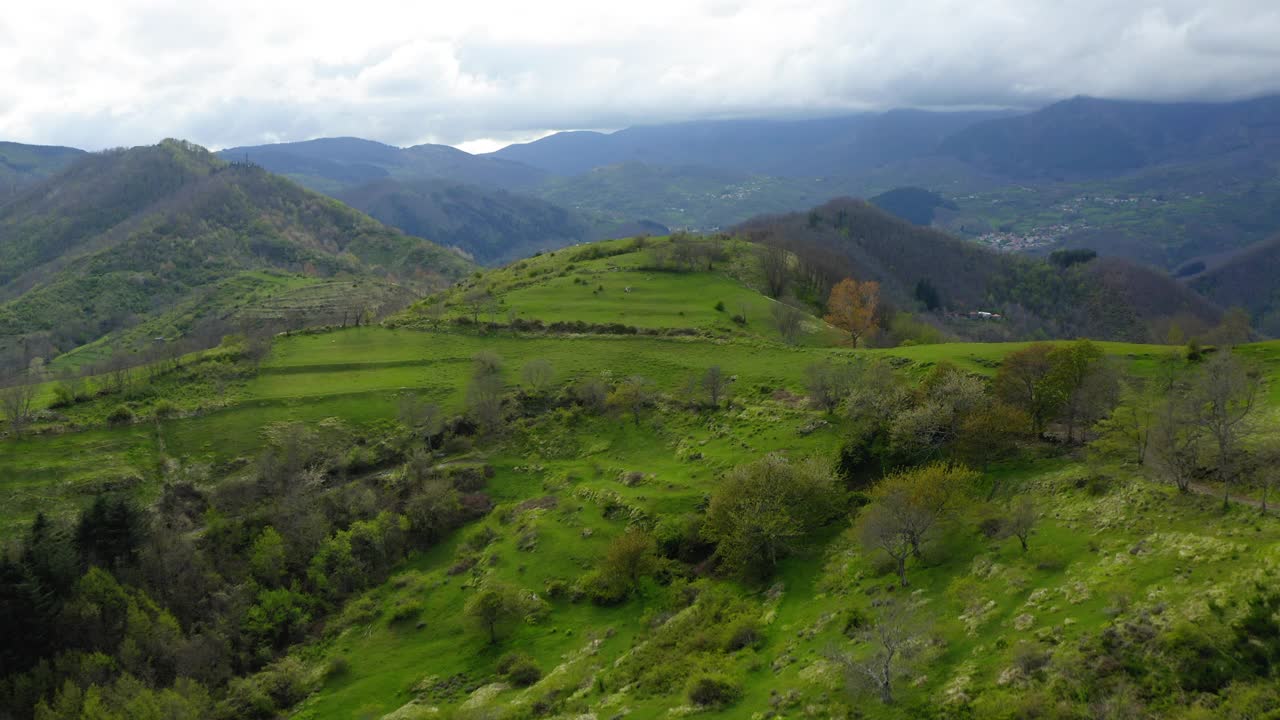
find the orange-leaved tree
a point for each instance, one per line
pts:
(852, 307)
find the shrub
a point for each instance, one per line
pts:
(336, 667)
(712, 691)
(519, 668)
(742, 634)
(120, 415)
(720, 306)
(164, 409)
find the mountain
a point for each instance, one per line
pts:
(821, 147)
(492, 226)
(123, 238)
(23, 164)
(1109, 298)
(331, 165)
(687, 196)
(913, 204)
(1089, 136)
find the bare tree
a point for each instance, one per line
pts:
(538, 374)
(788, 320)
(896, 638)
(1022, 520)
(715, 383)
(773, 264)
(1228, 394)
(1176, 442)
(18, 402)
(880, 528)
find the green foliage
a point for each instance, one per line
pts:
(764, 510)
(712, 691)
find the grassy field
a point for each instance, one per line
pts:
(359, 375)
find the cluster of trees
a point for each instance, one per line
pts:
(1195, 419)
(129, 607)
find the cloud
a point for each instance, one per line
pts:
(485, 71)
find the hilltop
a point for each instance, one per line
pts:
(163, 241)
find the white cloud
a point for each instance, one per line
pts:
(483, 72)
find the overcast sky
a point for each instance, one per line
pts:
(478, 73)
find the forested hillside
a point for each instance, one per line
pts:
(125, 238)
(24, 164)
(915, 266)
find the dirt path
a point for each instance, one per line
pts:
(1216, 493)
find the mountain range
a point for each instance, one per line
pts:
(154, 241)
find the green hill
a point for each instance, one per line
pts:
(528, 497)
(21, 165)
(155, 240)
(1109, 299)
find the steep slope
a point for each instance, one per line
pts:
(847, 237)
(127, 236)
(23, 164)
(332, 164)
(1088, 136)
(820, 147)
(492, 226)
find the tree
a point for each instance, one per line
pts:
(938, 418)
(1026, 381)
(592, 394)
(788, 320)
(927, 294)
(1175, 445)
(828, 384)
(990, 434)
(629, 558)
(852, 308)
(896, 637)
(1022, 520)
(1129, 425)
(763, 510)
(908, 507)
(18, 402)
(538, 374)
(633, 395)
(267, 557)
(773, 265)
(278, 617)
(714, 383)
(1227, 395)
(495, 609)
(1086, 384)
(484, 393)
(424, 419)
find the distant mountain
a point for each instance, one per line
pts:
(1109, 298)
(23, 164)
(913, 204)
(124, 238)
(492, 226)
(331, 165)
(823, 147)
(1089, 136)
(695, 197)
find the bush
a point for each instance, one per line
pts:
(519, 669)
(742, 634)
(120, 415)
(720, 306)
(712, 691)
(164, 409)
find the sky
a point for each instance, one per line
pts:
(482, 73)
